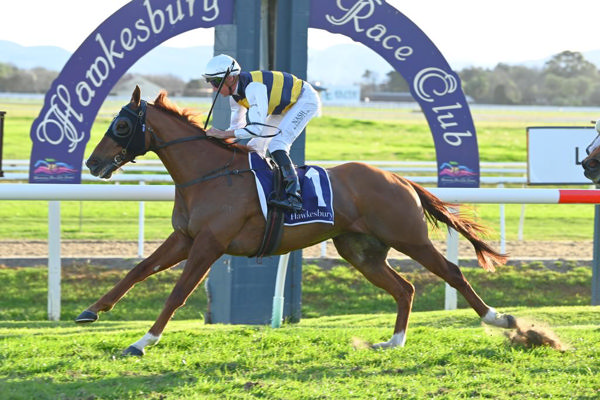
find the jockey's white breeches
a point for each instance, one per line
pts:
(292, 123)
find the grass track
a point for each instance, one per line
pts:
(448, 355)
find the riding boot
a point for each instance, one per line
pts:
(293, 200)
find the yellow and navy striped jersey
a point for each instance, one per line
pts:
(283, 89)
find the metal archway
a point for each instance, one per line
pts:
(62, 129)
(433, 84)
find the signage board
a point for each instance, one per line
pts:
(555, 153)
(346, 95)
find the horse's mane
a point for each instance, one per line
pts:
(190, 116)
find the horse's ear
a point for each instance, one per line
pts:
(136, 96)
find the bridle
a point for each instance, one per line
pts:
(128, 130)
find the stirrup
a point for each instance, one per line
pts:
(290, 203)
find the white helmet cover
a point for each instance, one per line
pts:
(218, 65)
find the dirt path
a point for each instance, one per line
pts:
(531, 250)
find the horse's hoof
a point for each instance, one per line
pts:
(86, 317)
(511, 321)
(133, 351)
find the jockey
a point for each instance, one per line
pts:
(277, 106)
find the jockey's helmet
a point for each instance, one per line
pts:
(218, 65)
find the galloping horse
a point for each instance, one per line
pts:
(217, 212)
(591, 164)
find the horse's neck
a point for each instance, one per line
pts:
(190, 159)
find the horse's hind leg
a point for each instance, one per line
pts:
(368, 255)
(429, 257)
(172, 251)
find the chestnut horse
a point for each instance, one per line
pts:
(591, 164)
(217, 212)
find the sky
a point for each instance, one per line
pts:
(477, 32)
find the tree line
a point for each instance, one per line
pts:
(567, 79)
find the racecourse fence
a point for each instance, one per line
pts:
(56, 193)
(147, 172)
(144, 172)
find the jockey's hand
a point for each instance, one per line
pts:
(219, 134)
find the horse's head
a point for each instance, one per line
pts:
(124, 140)
(591, 164)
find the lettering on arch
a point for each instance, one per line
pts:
(433, 84)
(62, 129)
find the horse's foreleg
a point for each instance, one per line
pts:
(204, 252)
(172, 251)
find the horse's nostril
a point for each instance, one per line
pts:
(91, 162)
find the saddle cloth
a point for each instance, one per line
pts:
(317, 197)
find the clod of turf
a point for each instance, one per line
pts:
(529, 335)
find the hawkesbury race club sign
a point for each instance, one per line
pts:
(61, 131)
(433, 84)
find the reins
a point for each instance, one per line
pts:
(172, 142)
(138, 127)
(229, 69)
(215, 173)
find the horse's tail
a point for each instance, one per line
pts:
(437, 210)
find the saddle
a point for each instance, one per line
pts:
(317, 199)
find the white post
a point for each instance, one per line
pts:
(502, 225)
(54, 267)
(141, 218)
(277, 313)
(450, 300)
(324, 249)
(521, 222)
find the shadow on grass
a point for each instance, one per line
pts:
(81, 387)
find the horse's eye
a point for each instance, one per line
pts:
(122, 127)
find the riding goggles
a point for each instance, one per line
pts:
(215, 82)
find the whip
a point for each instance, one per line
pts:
(229, 69)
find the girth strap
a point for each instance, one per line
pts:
(275, 218)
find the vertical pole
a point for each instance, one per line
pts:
(290, 54)
(502, 225)
(54, 267)
(596, 261)
(80, 216)
(450, 299)
(2, 113)
(141, 219)
(278, 298)
(521, 222)
(324, 249)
